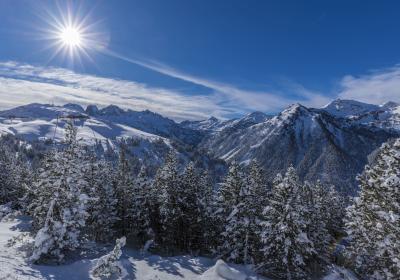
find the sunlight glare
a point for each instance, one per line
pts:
(71, 37)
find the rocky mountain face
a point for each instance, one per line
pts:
(330, 144)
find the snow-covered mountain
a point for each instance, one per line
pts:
(385, 116)
(320, 144)
(331, 144)
(146, 135)
(348, 108)
(146, 121)
(213, 124)
(46, 122)
(38, 121)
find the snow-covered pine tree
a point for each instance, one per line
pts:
(240, 229)
(191, 209)
(108, 265)
(257, 185)
(336, 212)
(316, 202)
(208, 205)
(23, 176)
(373, 221)
(60, 206)
(42, 189)
(330, 206)
(124, 190)
(102, 204)
(167, 186)
(287, 248)
(142, 206)
(231, 187)
(8, 184)
(257, 198)
(227, 198)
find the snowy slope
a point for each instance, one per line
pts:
(146, 121)
(148, 136)
(43, 121)
(14, 263)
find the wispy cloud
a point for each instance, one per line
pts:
(23, 83)
(376, 87)
(234, 96)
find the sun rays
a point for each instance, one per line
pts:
(72, 34)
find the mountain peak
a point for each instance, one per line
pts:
(390, 105)
(294, 109)
(213, 119)
(257, 116)
(74, 107)
(347, 108)
(92, 110)
(112, 110)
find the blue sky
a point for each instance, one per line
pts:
(192, 59)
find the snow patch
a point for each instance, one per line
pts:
(222, 271)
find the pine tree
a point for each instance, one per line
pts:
(8, 184)
(59, 207)
(124, 190)
(142, 206)
(102, 205)
(256, 199)
(287, 248)
(240, 227)
(373, 221)
(209, 222)
(167, 186)
(257, 185)
(191, 207)
(336, 212)
(23, 176)
(316, 200)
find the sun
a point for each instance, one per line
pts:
(72, 34)
(71, 37)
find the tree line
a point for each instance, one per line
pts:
(286, 229)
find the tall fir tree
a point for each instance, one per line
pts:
(240, 226)
(193, 209)
(124, 191)
(23, 176)
(167, 186)
(373, 221)
(257, 199)
(287, 248)
(60, 206)
(207, 203)
(142, 206)
(315, 199)
(8, 184)
(102, 203)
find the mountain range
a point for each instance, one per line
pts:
(331, 144)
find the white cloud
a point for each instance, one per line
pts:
(235, 97)
(377, 87)
(23, 83)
